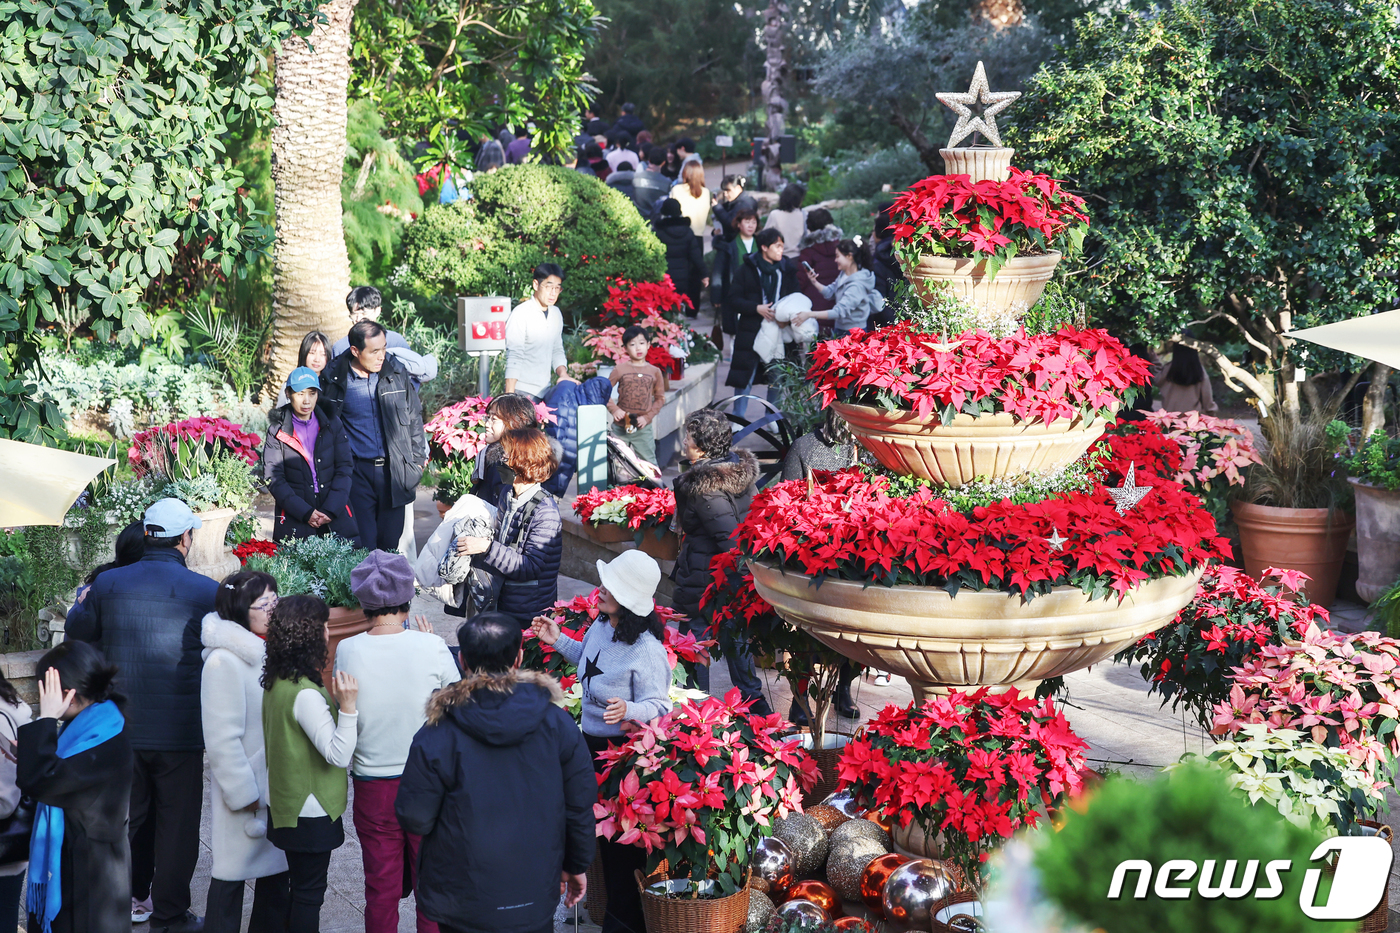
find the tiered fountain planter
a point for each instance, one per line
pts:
(1015, 288)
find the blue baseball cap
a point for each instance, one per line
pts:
(302, 378)
(170, 518)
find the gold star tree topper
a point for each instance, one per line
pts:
(991, 102)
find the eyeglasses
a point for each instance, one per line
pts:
(266, 604)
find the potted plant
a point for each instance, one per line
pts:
(958, 774)
(995, 242)
(695, 789)
(811, 669)
(952, 410)
(1294, 513)
(208, 463)
(1375, 479)
(631, 513)
(1189, 662)
(455, 437)
(317, 567)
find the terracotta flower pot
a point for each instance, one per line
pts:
(976, 638)
(667, 546)
(343, 623)
(1377, 539)
(994, 446)
(208, 555)
(608, 532)
(1016, 287)
(1295, 539)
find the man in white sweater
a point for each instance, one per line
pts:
(399, 669)
(535, 336)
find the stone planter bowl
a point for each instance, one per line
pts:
(208, 554)
(1377, 538)
(979, 163)
(996, 446)
(974, 639)
(1018, 284)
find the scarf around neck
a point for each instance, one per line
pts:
(768, 278)
(88, 729)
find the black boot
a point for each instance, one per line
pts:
(797, 717)
(845, 706)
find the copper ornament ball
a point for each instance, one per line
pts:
(828, 817)
(846, 863)
(873, 878)
(807, 839)
(819, 893)
(854, 925)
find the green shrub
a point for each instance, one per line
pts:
(1377, 462)
(525, 215)
(378, 194)
(862, 176)
(313, 567)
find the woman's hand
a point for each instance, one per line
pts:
(615, 712)
(318, 518)
(469, 545)
(545, 629)
(801, 316)
(53, 701)
(812, 276)
(344, 690)
(421, 623)
(766, 312)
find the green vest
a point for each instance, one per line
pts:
(295, 769)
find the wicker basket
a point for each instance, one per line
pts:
(1377, 920)
(962, 896)
(596, 900)
(685, 915)
(827, 760)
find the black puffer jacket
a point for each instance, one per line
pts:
(400, 421)
(745, 295)
(712, 498)
(685, 260)
(493, 849)
(527, 556)
(146, 617)
(288, 473)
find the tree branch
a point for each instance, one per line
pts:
(1231, 373)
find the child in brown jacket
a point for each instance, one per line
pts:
(641, 391)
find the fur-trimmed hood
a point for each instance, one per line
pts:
(216, 632)
(732, 475)
(828, 234)
(492, 708)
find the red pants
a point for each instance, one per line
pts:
(390, 856)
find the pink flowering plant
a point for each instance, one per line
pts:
(699, 785)
(1189, 663)
(1339, 689)
(176, 449)
(606, 342)
(1214, 454)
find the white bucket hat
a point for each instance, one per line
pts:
(632, 578)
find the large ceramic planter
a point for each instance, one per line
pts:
(1311, 540)
(975, 638)
(208, 554)
(978, 163)
(1377, 539)
(1016, 287)
(343, 623)
(997, 446)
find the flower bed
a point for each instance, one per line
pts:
(633, 302)
(1233, 616)
(254, 546)
(850, 527)
(632, 506)
(152, 450)
(1065, 374)
(317, 567)
(699, 785)
(950, 215)
(1340, 689)
(972, 766)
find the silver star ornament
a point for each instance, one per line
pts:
(992, 103)
(1129, 494)
(1056, 542)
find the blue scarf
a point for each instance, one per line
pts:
(88, 729)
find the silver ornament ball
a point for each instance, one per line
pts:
(847, 860)
(861, 828)
(805, 911)
(806, 838)
(913, 891)
(761, 910)
(845, 801)
(775, 863)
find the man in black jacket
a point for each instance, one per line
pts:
(500, 786)
(145, 617)
(374, 399)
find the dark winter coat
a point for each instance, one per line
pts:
(712, 498)
(622, 181)
(649, 189)
(685, 260)
(400, 421)
(818, 248)
(526, 557)
(493, 848)
(745, 295)
(886, 267)
(146, 617)
(93, 788)
(287, 467)
(629, 123)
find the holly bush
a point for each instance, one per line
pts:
(1239, 161)
(525, 215)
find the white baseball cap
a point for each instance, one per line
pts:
(172, 517)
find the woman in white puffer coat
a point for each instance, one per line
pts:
(854, 291)
(231, 706)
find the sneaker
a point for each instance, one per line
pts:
(189, 923)
(141, 910)
(882, 678)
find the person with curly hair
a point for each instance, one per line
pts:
(308, 749)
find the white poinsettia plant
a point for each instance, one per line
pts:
(1309, 784)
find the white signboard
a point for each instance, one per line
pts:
(481, 323)
(724, 142)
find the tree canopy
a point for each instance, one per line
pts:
(110, 158)
(1240, 165)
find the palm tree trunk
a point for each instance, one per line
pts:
(311, 269)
